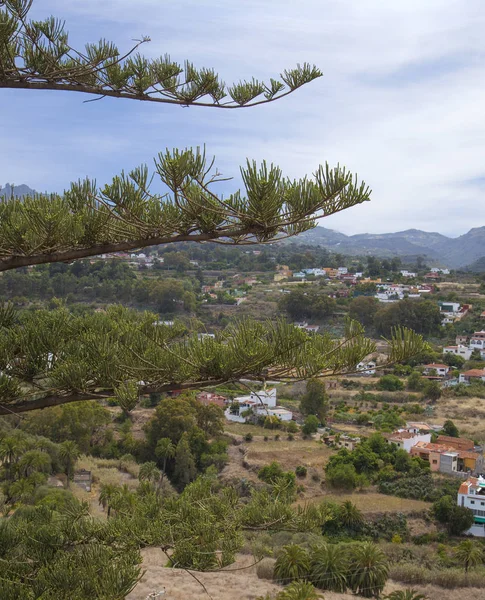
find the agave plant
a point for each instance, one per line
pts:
(329, 567)
(293, 562)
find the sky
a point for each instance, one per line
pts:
(401, 102)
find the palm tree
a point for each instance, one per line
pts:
(21, 490)
(68, 454)
(10, 450)
(293, 562)
(149, 472)
(123, 500)
(34, 460)
(163, 451)
(107, 494)
(299, 590)
(350, 516)
(469, 554)
(406, 595)
(329, 567)
(368, 570)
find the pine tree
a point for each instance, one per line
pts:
(315, 400)
(185, 469)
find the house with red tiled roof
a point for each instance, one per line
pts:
(471, 494)
(446, 458)
(458, 350)
(207, 398)
(472, 375)
(437, 369)
(406, 439)
(456, 442)
(439, 457)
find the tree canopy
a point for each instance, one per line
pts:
(37, 55)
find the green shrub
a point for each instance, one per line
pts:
(311, 425)
(265, 569)
(301, 471)
(248, 437)
(390, 383)
(342, 477)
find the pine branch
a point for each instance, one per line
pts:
(50, 358)
(36, 55)
(125, 215)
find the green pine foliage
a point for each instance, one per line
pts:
(38, 55)
(52, 357)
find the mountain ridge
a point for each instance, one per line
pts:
(435, 247)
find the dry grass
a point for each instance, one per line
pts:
(244, 584)
(310, 453)
(104, 472)
(467, 413)
(244, 428)
(373, 502)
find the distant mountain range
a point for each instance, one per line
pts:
(436, 248)
(468, 250)
(19, 191)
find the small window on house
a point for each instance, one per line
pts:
(472, 501)
(435, 462)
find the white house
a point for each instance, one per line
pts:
(472, 375)
(459, 350)
(316, 272)
(409, 274)
(438, 368)
(477, 341)
(259, 403)
(299, 275)
(407, 438)
(367, 368)
(471, 494)
(342, 270)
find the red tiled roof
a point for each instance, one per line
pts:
(475, 373)
(465, 454)
(441, 448)
(463, 443)
(402, 435)
(435, 366)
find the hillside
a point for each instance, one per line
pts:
(437, 248)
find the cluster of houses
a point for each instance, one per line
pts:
(243, 408)
(464, 345)
(341, 273)
(447, 455)
(393, 292)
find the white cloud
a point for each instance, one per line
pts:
(401, 101)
